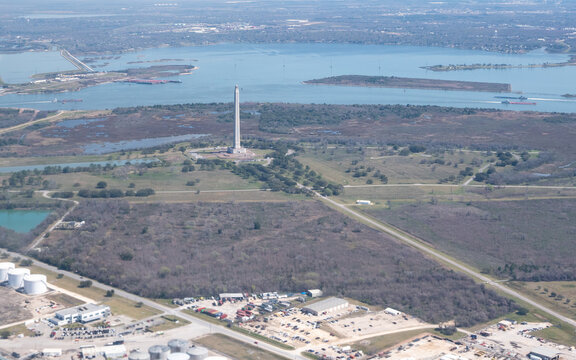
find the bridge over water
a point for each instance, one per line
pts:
(75, 61)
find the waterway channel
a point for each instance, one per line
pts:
(274, 73)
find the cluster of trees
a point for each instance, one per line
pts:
(520, 171)
(285, 173)
(363, 171)
(111, 193)
(282, 118)
(178, 250)
(35, 177)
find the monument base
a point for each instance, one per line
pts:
(234, 150)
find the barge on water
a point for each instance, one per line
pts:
(512, 97)
(518, 102)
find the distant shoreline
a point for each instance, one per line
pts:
(460, 67)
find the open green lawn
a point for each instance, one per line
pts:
(348, 165)
(391, 195)
(159, 179)
(376, 344)
(170, 322)
(558, 295)
(236, 349)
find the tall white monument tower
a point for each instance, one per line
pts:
(237, 148)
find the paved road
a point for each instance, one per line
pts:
(444, 258)
(30, 123)
(456, 185)
(41, 237)
(482, 169)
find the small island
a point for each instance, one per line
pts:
(410, 83)
(79, 79)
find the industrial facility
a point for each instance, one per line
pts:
(177, 349)
(328, 305)
(4, 268)
(16, 277)
(35, 284)
(82, 314)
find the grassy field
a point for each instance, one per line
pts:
(120, 305)
(503, 238)
(236, 349)
(19, 329)
(159, 179)
(64, 299)
(376, 344)
(558, 334)
(117, 304)
(346, 165)
(171, 322)
(558, 295)
(397, 195)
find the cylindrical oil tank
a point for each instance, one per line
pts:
(178, 345)
(158, 352)
(16, 277)
(35, 284)
(197, 353)
(4, 267)
(178, 356)
(138, 355)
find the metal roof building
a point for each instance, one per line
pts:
(327, 305)
(544, 353)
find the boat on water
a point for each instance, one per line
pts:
(518, 102)
(64, 101)
(512, 97)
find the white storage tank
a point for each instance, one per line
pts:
(4, 267)
(16, 277)
(178, 356)
(197, 353)
(178, 345)
(35, 284)
(138, 355)
(159, 352)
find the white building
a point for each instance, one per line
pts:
(109, 351)
(328, 305)
(231, 296)
(82, 314)
(52, 352)
(363, 202)
(392, 312)
(314, 293)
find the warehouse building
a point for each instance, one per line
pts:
(82, 314)
(544, 353)
(325, 306)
